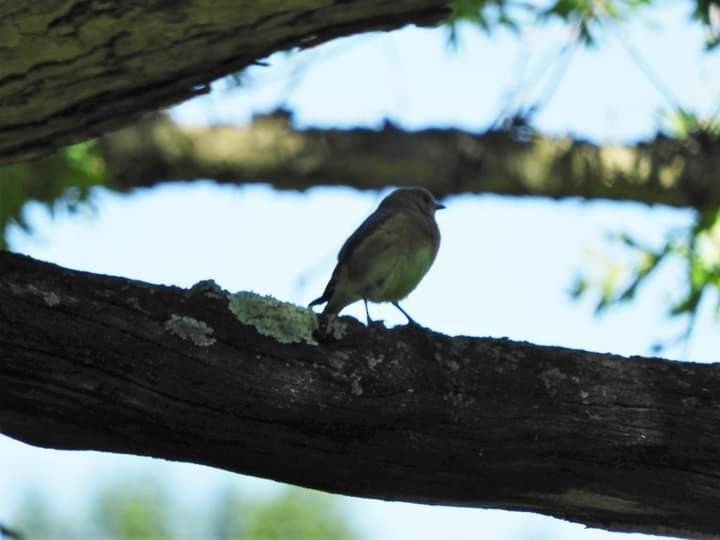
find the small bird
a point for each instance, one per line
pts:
(388, 254)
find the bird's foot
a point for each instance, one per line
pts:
(411, 321)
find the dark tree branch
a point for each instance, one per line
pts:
(74, 69)
(97, 362)
(446, 161)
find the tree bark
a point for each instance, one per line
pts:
(105, 363)
(446, 161)
(72, 69)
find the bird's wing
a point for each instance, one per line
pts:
(372, 224)
(378, 248)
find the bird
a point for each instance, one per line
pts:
(387, 255)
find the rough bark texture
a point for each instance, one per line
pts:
(71, 69)
(446, 161)
(97, 362)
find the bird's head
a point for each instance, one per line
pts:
(413, 197)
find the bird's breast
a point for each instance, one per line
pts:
(403, 276)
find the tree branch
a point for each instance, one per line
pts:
(446, 161)
(73, 69)
(104, 363)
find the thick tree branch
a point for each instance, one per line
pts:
(71, 69)
(446, 161)
(104, 363)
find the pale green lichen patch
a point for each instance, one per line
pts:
(189, 329)
(285, 322)
(337, 329)
(50, 298)
(552, 378)
(373, 360)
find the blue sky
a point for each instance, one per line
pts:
(505, 265)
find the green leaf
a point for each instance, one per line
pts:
(579, 287)
(688, 304)
(62, 180)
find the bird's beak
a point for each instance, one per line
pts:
(439, 206)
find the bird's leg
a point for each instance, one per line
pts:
(367, 313)
(409, 318)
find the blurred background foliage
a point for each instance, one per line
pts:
(144, 509)
(589, 17)
(62, 180)
(696, 248)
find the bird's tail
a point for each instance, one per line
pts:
(326, 295)
(321, 299)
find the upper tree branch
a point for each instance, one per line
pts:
(446, 161)
(70, 70)
(97, 362)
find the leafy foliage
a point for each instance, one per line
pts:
(64, 180)
(708, 12)
(142, 509)
(133, 511)
(488, 14)
(697, 249)
(690, 126)
(587, 15)
(297, 513)
(584, 16)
